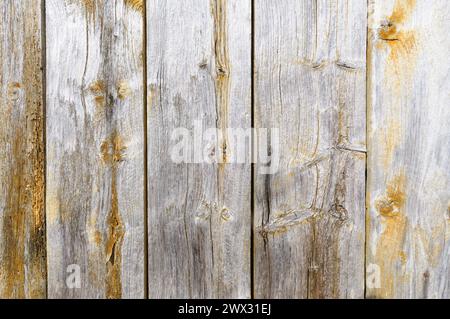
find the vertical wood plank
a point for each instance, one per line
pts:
(95, 148)
(409, 142)
(22, 220)
(199, 71)
(309, 78)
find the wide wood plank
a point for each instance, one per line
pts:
(199, 71)
(409, 141)
(309, 78)
(95, 147)
(22, 220)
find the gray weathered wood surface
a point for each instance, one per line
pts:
(409, 145)
(95, 96)
(95, 148)
(199, 226)
(22, 218)
(310, 83)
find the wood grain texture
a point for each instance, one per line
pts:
(22, 220)
(95, 147)
(409, 142)
(309, 83)
(199, 69)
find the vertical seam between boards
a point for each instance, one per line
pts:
(146, 251)
(44, 129)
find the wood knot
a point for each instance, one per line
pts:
(388, 31)
(97, 88)
(339, 212)
(392, 202)
(123, 90)
(222, 71)
(113, 149)
(226, 214)
(14, 89)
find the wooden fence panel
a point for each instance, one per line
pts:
(114, 110)
(309, 80)
(199, 74)
(409, 142)
(22, 155)
(95, 149)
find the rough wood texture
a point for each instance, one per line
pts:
(409, 142)
(199, 214)
(22, 220)
(95, 147)
(309, 78)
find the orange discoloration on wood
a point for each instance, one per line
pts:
(112, 149)
(112, 153)
(402, 44)
(389, 249)
(137, 5)
(98, 89)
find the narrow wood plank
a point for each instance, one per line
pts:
(95, 147)
(22, 220)
(310, 84)
(199, 71)
(409, 142)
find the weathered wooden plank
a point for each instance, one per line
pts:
(199, 71)
(95, 148)
(409, 142)
(310, 84)
(22, 220)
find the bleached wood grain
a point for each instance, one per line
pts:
(95, 147)
(199, 68)
(409, 141)
(22, 220)
(309, 80)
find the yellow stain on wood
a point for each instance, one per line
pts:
(401, 47)
(123, 89)
(389, 249)
(112, 150)
(89, 5)
(151, 96)
(23, 262)
(222, 80)
(402, 44)
(137, 5)
(98, 89)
